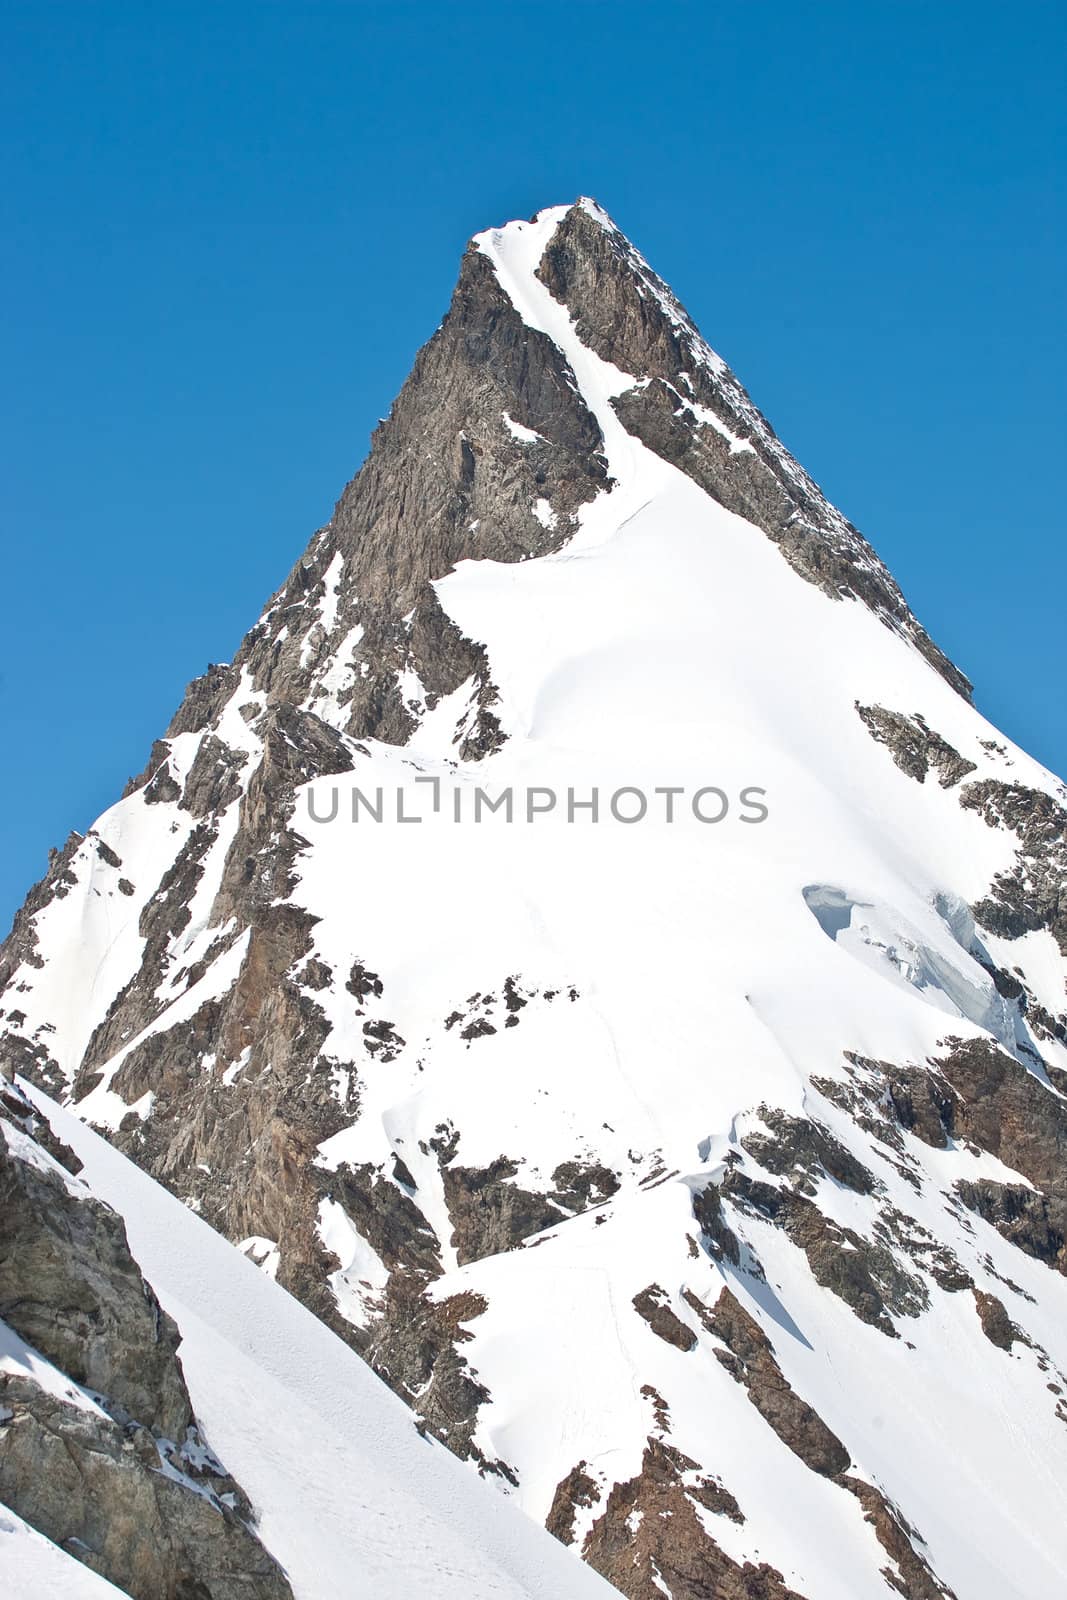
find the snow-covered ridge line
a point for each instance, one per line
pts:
(512, 243)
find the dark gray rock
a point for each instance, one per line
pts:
(101, 1492)
(914, 746)
(1025, 1217)
(489, 1213)
(865, 1274)
(1033, 895)
(70, 1288)
(630, 317)
(803, 1150)
(119, 1476)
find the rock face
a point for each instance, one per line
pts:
(697, 416)
(99, 1447)
(651, 1537)
(700, 1183)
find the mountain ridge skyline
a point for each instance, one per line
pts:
(164, 673)
(638, 1161)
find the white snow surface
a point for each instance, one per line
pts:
(519, 431)
(33, 1568)
(715, 968)
(349, 1498)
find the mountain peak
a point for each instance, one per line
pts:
(562, 353)
(676, 395)
(588, 946)
(552, 216)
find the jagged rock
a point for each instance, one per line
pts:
(913, 1576)
(362, 983)
(653, 1305)
(213, 780)
(162, 787)
(717, 1233)
(997, 1326)
(803, 1150)
(866, 1099)
(30, 1057)
(445, 450)
(923, 1104)
(975, 1091)
(660, 1409)
(592, 271)
(867, 1276)
(259, 863)
(650, 1536)
(496, 444)
(581, 1184)
(752, 1362)
(489, 1213)
(413, 1346)
(577, 1491)
(386, 1217)
(101, 1495)
(165, 916)
(116, 1475)
(1003, 1108)
(24, 1116)
(901, 1232)
(1023, 1216)
(70, 1288)
(104, 851)
(1031, 896)
(914, 746)
(381, 1040)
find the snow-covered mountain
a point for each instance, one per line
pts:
(589, 948)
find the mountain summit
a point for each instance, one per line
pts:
(588, 948)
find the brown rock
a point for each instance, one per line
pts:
(653, 1304)
(795, 1422)
(996, 1324)
(650, 1536)
(577, 1491)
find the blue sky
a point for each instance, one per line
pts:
(227, 228)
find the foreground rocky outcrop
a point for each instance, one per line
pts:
(99, 1445)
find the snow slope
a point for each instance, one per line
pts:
(33, 1567)
(350, 1499)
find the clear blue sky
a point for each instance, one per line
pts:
(228, 227)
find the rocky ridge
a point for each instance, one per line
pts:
(99, 1447)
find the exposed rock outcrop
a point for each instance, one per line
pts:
(866, 1275)
(1031, 896)
(127, 1507)
(99, 1446)
(693, 411)
(490, 1213)
(914, 746)
(574, 1493)
(653, 1305)
(650, 1536)
(749, 1357)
